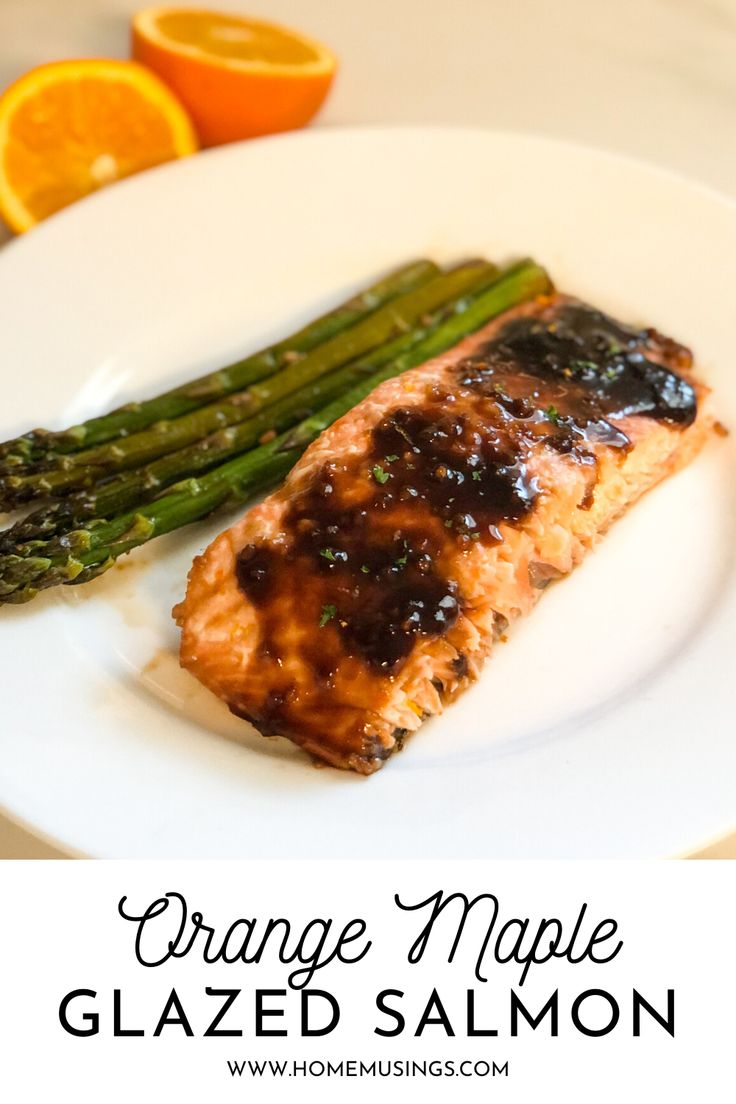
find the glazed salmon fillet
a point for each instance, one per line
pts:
(367, 592)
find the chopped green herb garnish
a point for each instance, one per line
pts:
(390, 459)
(380, 475)
(328, 554)
(553, 415)
(401, 562)
(477, 476)
(328, 612)
(584, 365)
(475, 536)
(500, 390)
(448, 524)
(365, 569)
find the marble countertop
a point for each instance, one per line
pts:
(655, 79)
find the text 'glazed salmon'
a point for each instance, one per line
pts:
(366, 593)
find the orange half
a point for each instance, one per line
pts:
(237, 77)
(71, 127)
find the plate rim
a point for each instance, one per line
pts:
(315, 132)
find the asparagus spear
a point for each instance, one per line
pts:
(181, 400)
(83, 553)
(85, 468)
(519, 283)
(128, 489)
(134, 488)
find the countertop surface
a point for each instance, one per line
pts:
(655, 79)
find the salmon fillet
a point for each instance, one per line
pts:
(367, 592)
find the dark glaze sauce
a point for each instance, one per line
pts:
(371, 539)
(366, 567)
(607, 362)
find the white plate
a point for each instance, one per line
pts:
(603, 728)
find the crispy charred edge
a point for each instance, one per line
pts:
(377, 752)
(671, 354)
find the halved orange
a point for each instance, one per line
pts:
(68, 128)
(237, 77)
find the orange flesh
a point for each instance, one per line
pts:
(109, 130)
(238, 78)
(238, 39)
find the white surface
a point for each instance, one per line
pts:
(659, 911)
(601, 729)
